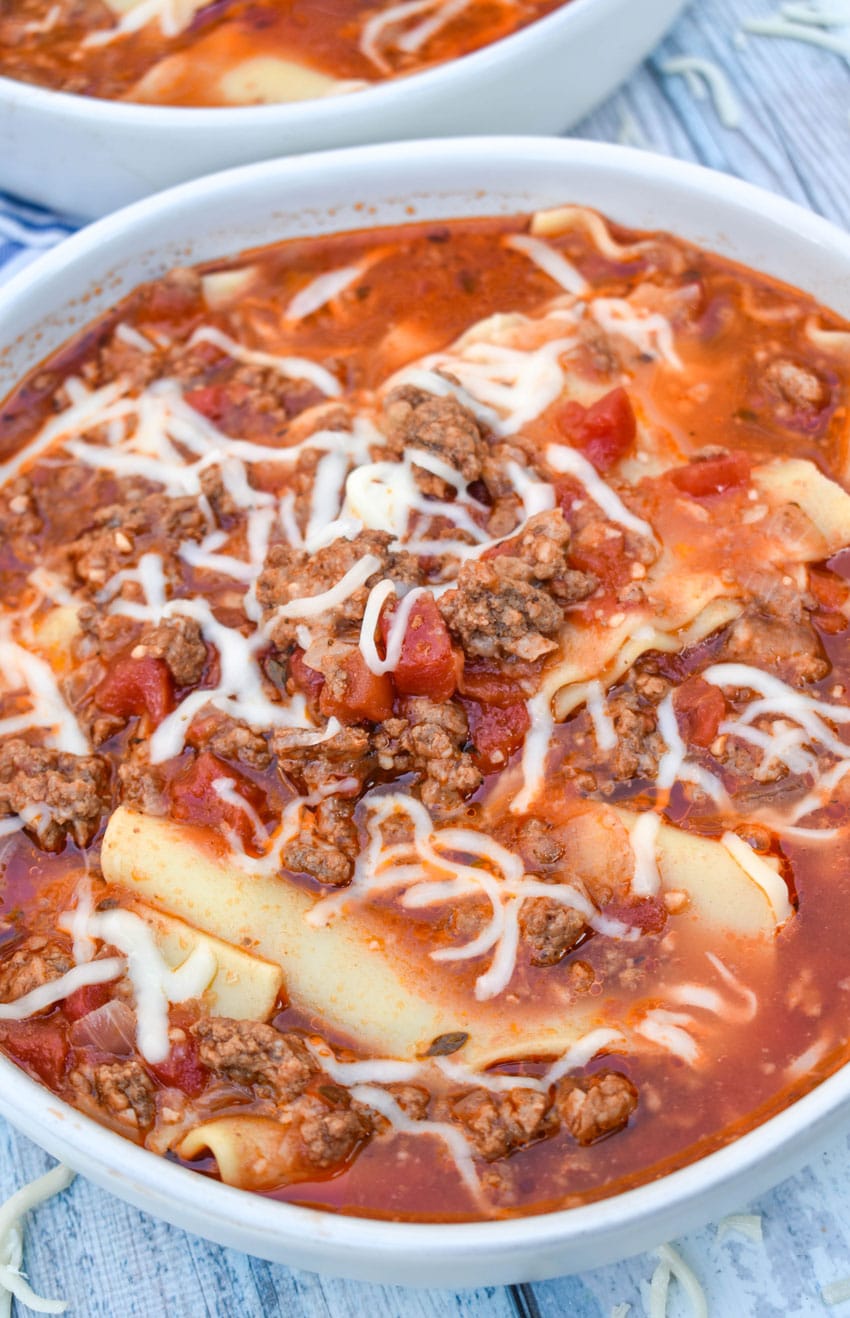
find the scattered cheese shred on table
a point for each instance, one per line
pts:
(671, 1264)
(810, 23)
(12, 1213)
(746, 1224)
(836, 1292)
(693, 68)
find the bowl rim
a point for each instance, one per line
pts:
(321, 110)
(794, 1131)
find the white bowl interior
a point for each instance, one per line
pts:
(355, 189)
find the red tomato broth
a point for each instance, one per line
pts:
(702, 1107)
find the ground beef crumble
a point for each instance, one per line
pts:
(511, 605)
(180, 643)
(73, 791)
(598, 1106)
(120, 533)
(327, 846)
(294, 574)
(499, 1123)
(35, 961)
(249, 1053)
(440, 426)
(121, 1090)
(429, 741)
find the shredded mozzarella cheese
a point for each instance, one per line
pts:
(761, 873)
(643, 835)
(745, 1224)
(552, 262)
(572, 463)
(320, 291)
(694, 68)
(13, 1282)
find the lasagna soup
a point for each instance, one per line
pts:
(423, 760)
(242, 52)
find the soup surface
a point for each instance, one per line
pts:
(242, 52)
(423, 739)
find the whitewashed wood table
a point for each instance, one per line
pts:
(792, 108)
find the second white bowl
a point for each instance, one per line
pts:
(87, 157)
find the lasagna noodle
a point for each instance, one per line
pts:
(244, 986)
(348, 972)
(363, 984)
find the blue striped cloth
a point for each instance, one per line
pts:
(25, 231)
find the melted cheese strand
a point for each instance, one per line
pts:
(537, 496)
(649, 331)
(674, 765)
(174, 17)
(294, 368)
(378, 597)
(154, 984)
(603, 725)
(225, 790)
(581, 1052)
(560, 219)
(552, 262)
(666, 1028)
(376, 870)
(91, 972)
(382, 495)
(749, 998)
(313, 606)
(755, 867)
(90, 409)
(320, 291)
(372, 32)
(20, 666)
(455, 1143)
(377, 1071)
(643, 835)
(570, 462)
(412, 40)
(325, 500)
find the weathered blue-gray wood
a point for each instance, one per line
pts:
(110, 1261)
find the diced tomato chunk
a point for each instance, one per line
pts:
(210, 400)
(309, 681)
(648, 914)
(496, 732)
(830, 591)
(604, 432)
(39, 1045)
(183, 1068)
(86, 999)
(137, 686)
(700, 709)
(364, 695)
(195, 799)
(490, 684)
(713, 475)
(427, 665)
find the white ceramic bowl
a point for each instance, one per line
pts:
(328, 193)
(88, 157)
